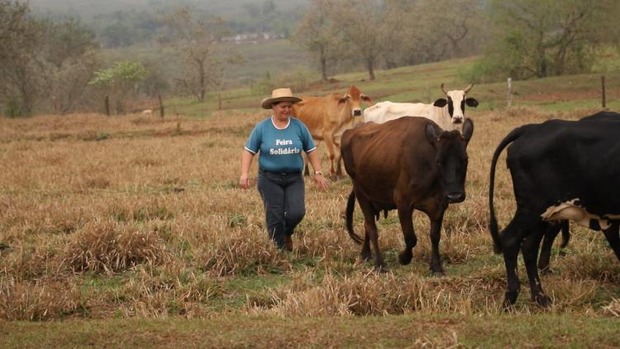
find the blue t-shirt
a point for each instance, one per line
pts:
(280, 149)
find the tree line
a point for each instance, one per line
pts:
(58, 66)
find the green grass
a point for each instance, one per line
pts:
(244, 331)
(421, 83)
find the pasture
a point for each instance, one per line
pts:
(131, 231)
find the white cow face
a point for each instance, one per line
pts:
(456, 101)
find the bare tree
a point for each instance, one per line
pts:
(361, 22)
(553, 37)
(18, 34)
(68, 58)
(319, 33)
(432, 30)
(196, 39)
(44, 64)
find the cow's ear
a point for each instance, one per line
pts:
(432, 134)
(367, 99)
(471, 102)
(441, 102)
(468, 129)
(343, 99)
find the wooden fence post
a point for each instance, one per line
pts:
(107, 105)
(161, 107)
(509, 93)
(603, 101)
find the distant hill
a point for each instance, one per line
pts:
(89, 8)
(124, 29)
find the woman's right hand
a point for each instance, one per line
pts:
(244, 182)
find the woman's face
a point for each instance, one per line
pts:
(282, 110)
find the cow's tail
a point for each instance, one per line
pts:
(349, 218)
(493, 227)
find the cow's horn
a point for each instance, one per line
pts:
(443, 90)
(468, 88)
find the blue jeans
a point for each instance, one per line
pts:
(283, 195)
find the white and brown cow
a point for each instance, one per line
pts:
(327, 117)
(448, 112)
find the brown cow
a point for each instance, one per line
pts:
(328, 116)
(404, 164)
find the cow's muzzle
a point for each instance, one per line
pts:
(357, 112)
(455, 197)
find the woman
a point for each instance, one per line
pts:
(280, 140)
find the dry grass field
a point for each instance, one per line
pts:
(110, 224)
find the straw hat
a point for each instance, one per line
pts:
(279, 95)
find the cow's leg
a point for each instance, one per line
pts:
(331, 151)
(530, 255)
(405, 215)
(338, 158)
(338, 162)
(511, 238)
(613, 237)
(547, 244)
(366, 255)
(371, 235)
(435, 237)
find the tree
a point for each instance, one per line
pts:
(19, 36)
(552, 37)
(44, 64)
(120, 81)
(432, 30)
(319, 34)
(361, 22)
(196, 40)
(67, 57)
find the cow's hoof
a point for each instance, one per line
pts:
(510, 298)
(546, 271)
(543, 300)
(381, 269)
(405, 257)
(508, 307)
(437, 270)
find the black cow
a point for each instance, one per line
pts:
(554, 230)
(561, 171)
(404, 164)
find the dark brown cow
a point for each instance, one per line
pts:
(328, 116)
(404, 164)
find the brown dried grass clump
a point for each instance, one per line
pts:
(243, 251)
(40, 300)
(372, 294)
(168, 291)
(613, 309)
(33, 257)
(110, 247)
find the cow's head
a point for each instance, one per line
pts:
(451, 157)
(353, 98)
(456, 101)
